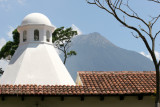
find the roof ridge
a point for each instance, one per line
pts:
(116, 72)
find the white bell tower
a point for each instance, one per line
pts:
(36, 60)
(37, 28)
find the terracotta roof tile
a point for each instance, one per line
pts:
(121, 82)
(94, 83)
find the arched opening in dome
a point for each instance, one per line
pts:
(36, 35)
(24, 36)
(48, 36)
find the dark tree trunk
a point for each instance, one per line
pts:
(65, 58)
(157, 87)
(114, 7)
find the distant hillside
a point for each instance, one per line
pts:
(96, 53)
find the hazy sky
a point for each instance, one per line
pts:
(88, 18)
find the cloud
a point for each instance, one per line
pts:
(2, 42)
(3, 0)
(149, 56)
(21, 1)
(74, 27)
(7, 4)
(9, 33)
(18, 1)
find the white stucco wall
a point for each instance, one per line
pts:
(129, 101)
(36, 63)
(30, 33)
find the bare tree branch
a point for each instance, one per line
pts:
(96, 2)
(156, 34)
(155, 20)
(145, 31)
(134, 35)
(91, 2)
(115, 8)
(134, 13)
(60, 49)
(127, 5)
(157, 1)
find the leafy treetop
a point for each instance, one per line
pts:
(9, 48)
(61, 38)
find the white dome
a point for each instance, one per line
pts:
(36, 18)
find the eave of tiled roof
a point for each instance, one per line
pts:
(94, 83)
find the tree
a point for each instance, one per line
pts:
(121, 11)
(61, 37)
(1, 71)
(10, 47)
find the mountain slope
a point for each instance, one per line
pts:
(96, 53)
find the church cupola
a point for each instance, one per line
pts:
(36, 27)
(36, 61)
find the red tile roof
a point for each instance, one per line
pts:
(94, 83)
(122, 82)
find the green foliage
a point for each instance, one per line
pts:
(16, 36)
(9, 48)
(61, 38)
(63, 35)
(71, 53)
(1, 71)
